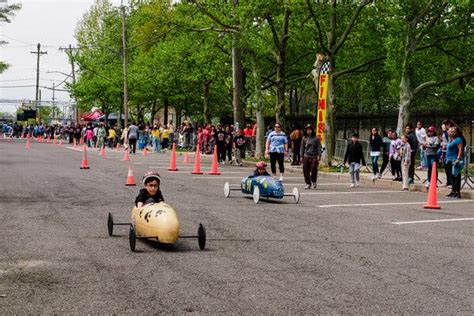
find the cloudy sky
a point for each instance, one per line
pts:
(51, 23)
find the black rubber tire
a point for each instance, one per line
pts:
(201, 237)
(110, 224)
(132, 237)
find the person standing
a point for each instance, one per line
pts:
(276, 148)
(420, 133)
(376, 143)
(239, 143)
(220, 136)
(455, 160)
(155, 134)
(248, 138)
(395, 161)
(310, 153)
(101, 136)
(385, 151)
(413, 141)
(296, 137)
(430, 147)
(405, 154)
(228, 143)
(172, 130)
(132, 137)
(444, 144)
(165, 137)
(354, 155)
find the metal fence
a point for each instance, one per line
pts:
(467, 179)
(341, 145)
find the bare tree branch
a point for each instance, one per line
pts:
(358, 67)
(444, 39)
(430, 84)
(351, 24)
(212, 16)
(318, 26)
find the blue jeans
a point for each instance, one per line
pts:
(429, 161)
(354, 171)
(156, 144)
(375, 165)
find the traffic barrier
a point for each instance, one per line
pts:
(130, 178)
(186, 157)
(214, 170)
(173, 159)
(27, 146)
(432, 202)
(197, 161)
(126, 156)
(84, 163)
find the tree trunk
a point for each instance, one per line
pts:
(207, 117)
(258, 104)
(238, 86)
(165, 114)
(330, 133)
(280, 90)
(406, 95)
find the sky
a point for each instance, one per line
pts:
(51, 23)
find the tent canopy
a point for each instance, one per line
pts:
(93, 115)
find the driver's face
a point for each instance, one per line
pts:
(152, 187)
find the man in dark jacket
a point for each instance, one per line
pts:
(310, 153)
(354, 155)
(413, 141)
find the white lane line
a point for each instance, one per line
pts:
(352, 192)
(435, 221)
(387, 204)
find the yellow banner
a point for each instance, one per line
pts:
(322, 97)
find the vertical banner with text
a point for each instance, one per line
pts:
(322, 97)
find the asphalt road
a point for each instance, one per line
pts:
(340, 250)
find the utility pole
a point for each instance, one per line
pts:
(38, 53)
(125, 66)
(69, 51)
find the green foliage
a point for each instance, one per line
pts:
(6, 13)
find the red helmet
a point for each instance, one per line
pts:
(153, 175)
(431, 129)
(261, 165)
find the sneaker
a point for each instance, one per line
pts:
(352, 185)
(240, 164)
(231, 162)
(315, 185)
(373, 178)
(449, 187)
(405, 190)
(281, 178)
(379, 176)
(427, 185)
(307, 187)
(451, 194)
(394, 178)
(357, 183)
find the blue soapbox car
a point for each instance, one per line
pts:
(262, 187)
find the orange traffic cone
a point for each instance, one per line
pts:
(117, 148)
(126, 156)
(186, 157)
(145, 152)
(81, 141)
(214, 170)
(432, 194)
(130, 178)
(27, 146)
(173, 159)
(102, 151)
(74, 143)
(84, 164)
(197, 161)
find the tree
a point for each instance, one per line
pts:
(6, 13)
(439, 31)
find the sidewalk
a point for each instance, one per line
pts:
(386, 181)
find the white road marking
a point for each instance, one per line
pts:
(435, 221)
(388, 204)
(352, 192)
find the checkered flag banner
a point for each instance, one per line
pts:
(325, 68)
